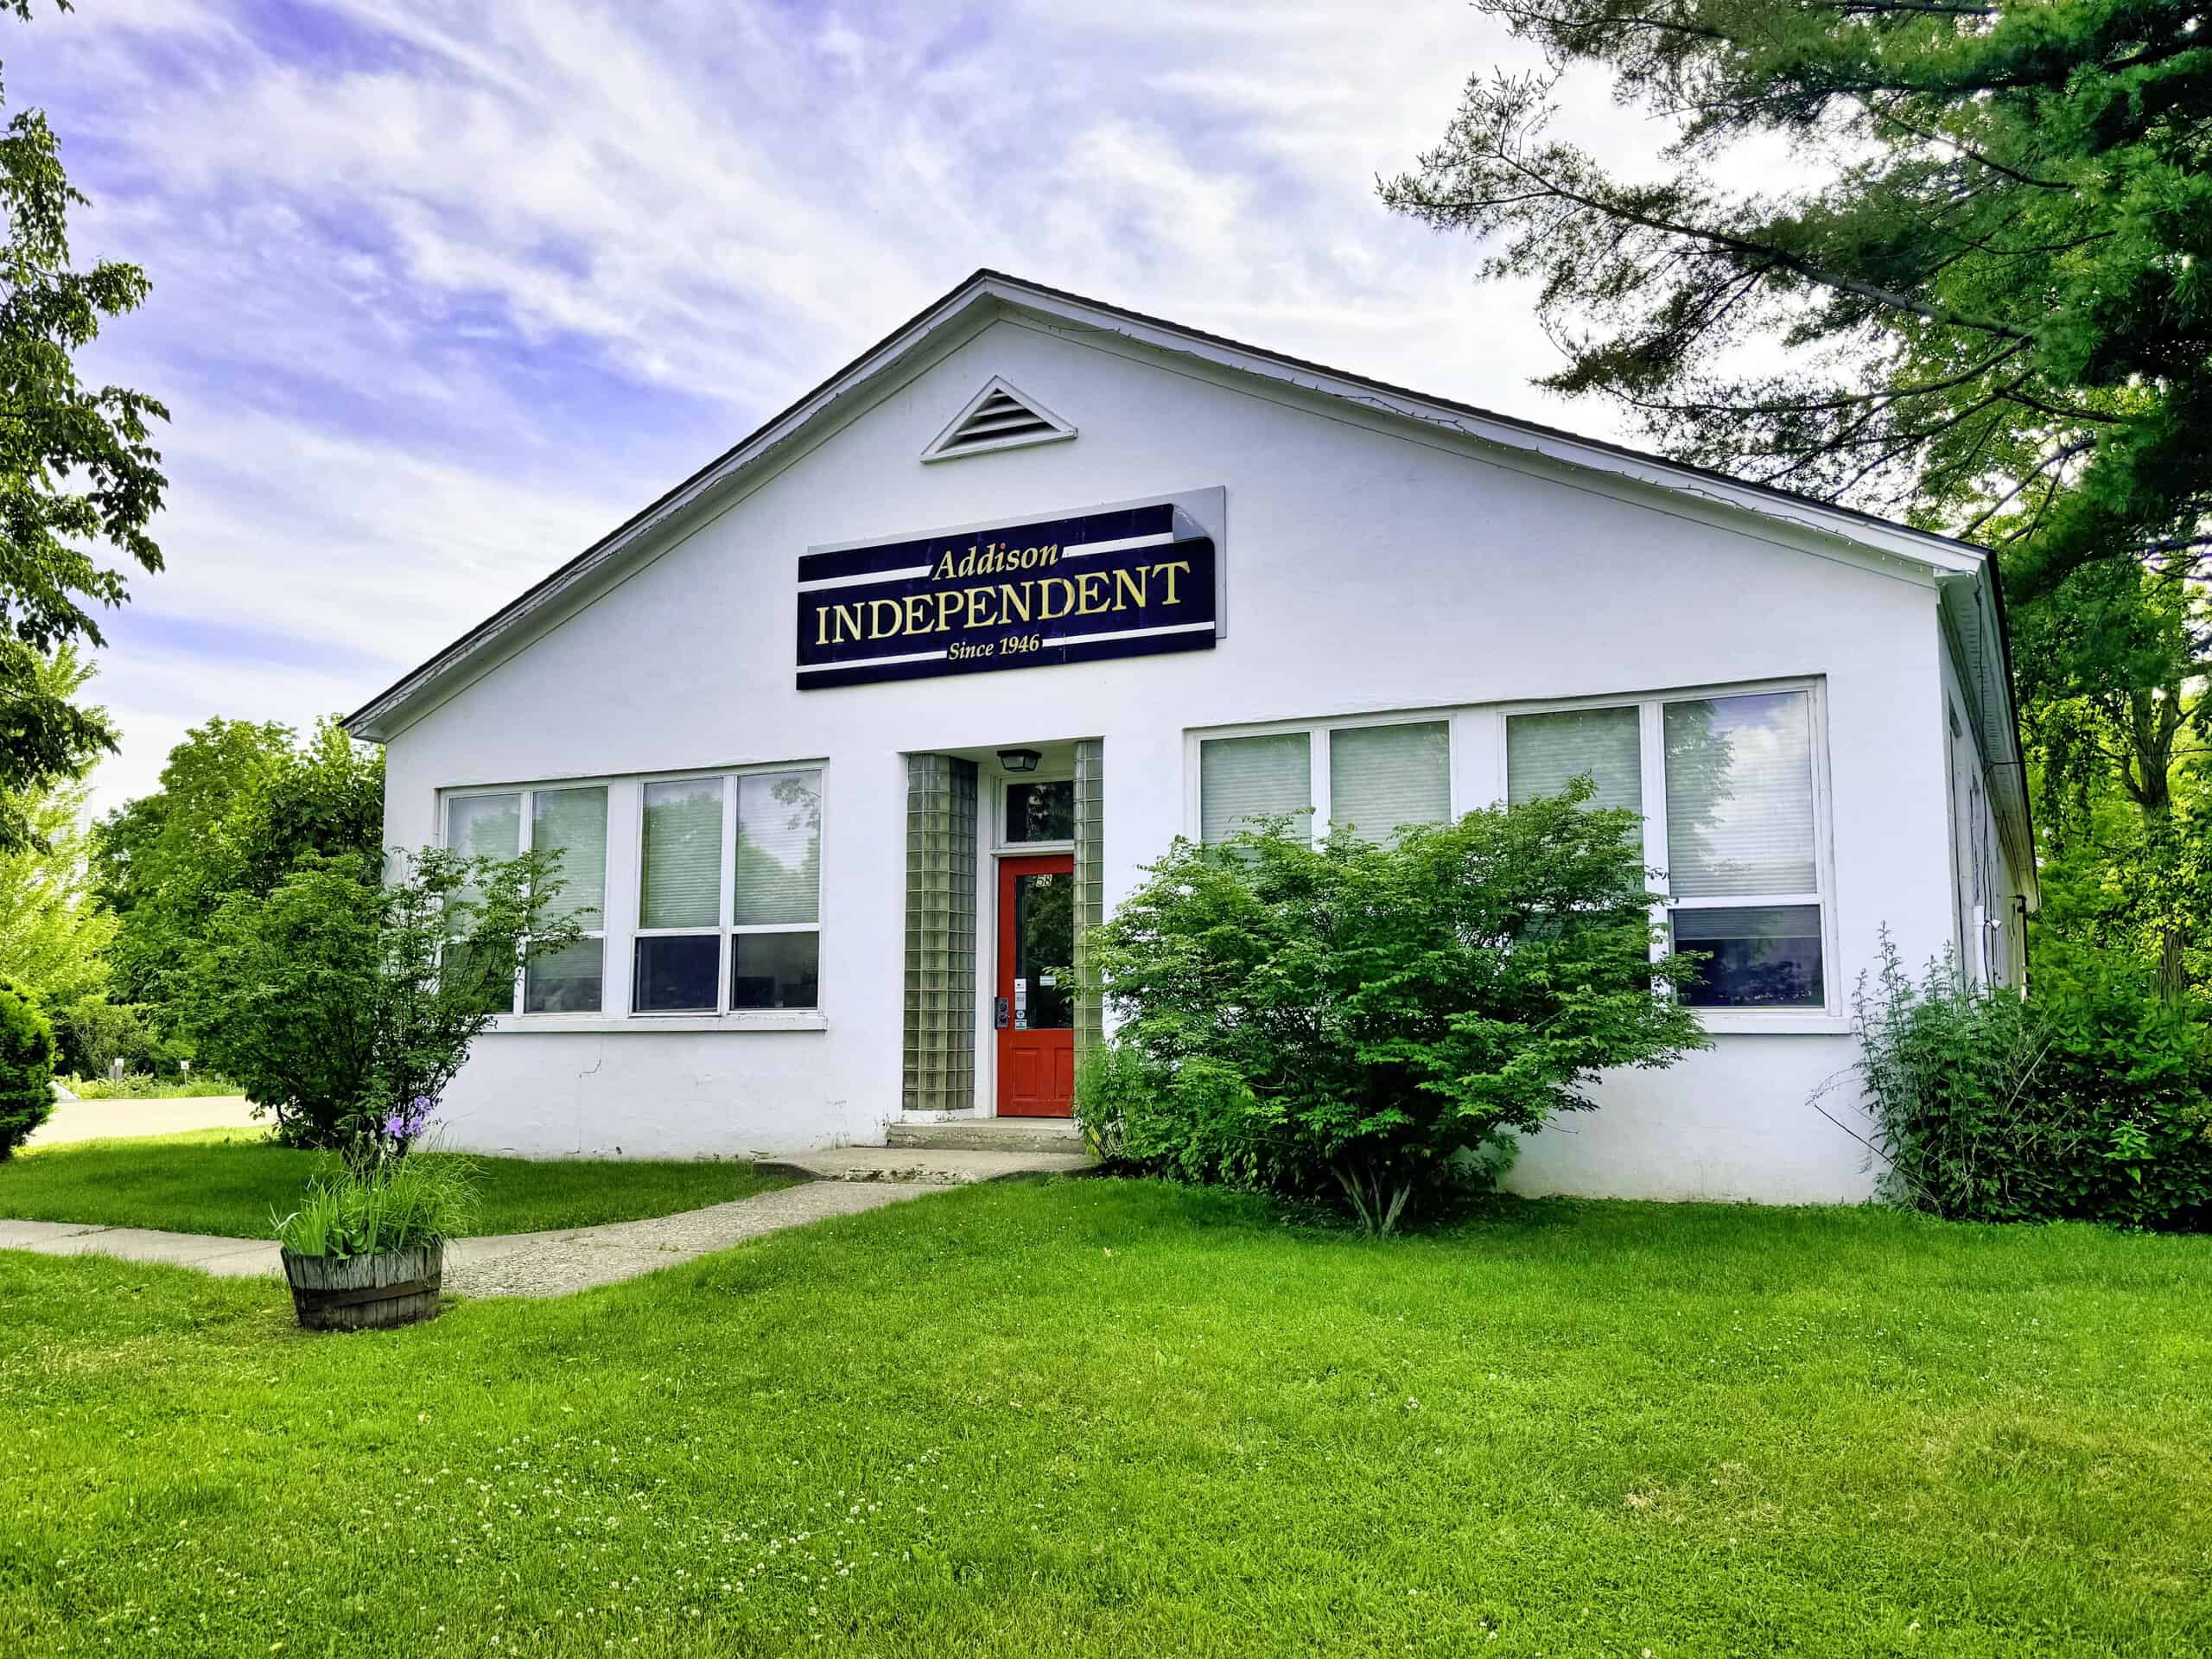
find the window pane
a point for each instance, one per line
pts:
(485, 826)
(1383, 778)
(778, 848)
(479, 979)
(565, 981)
(678, 974)
(1740, 795)
(1760, 956)
(573, 822)
(1546, 752)
(680, 883)
(1244, 777)
(1043, 952)
(1040, 812)
(774, 970)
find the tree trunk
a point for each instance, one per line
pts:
(2154, 721)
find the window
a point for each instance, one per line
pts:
(1546, 752)
(572, 822)
(776, 917)
(765, 829)
(678, 965)
(1241, 779)
(1382, 778)
(1038, 812)
(1737, 837)
(1371, 779)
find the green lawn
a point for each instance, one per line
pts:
(1115, 1419)
(227, 1181)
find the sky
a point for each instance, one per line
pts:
(443, 292)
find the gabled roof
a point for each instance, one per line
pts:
(991, 293)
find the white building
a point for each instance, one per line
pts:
(776, 721)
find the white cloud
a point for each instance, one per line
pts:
(443, 290)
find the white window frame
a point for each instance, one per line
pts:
(619, 930)
(1651, 740)
(996, 842)
(526, 798)
(1478, 763)
(726, 928)
(1317, 763)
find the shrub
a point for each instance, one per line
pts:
(382, 1204)
(25, 1069)
(2090, 1099)
(1366, 1021)
(344, 1003)
(91, 1034)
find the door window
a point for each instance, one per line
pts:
(1043, 952)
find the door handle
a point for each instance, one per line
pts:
(998, 1013)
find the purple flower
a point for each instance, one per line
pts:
(410, 1120)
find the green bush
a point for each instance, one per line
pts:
(2089, 1100)
(1368, 1022)
(385, 1204)
(345, 1003)
(144, 1085)
(25, 1069)
(91, 1034)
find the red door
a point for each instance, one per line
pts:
(1035, 1010)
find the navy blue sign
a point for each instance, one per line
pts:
(1129, 582)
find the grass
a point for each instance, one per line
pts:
(1105, 1417)
(227, 1181)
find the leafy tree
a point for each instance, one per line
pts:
(76, 468)
(53, 931)
(239, 802)
(344, 1004)
(1977, 300)
(25, 1069)
(1356, 1019)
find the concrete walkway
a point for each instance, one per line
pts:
(848, 1179)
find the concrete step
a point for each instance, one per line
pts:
(990, 1134)
(933, 1166)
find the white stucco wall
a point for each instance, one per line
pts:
(1371, 566)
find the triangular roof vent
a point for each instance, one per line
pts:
(997, 418)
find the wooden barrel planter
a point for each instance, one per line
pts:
(365, 1293)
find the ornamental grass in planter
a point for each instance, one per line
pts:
(366, 1248)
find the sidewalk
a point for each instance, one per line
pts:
(849, 1179)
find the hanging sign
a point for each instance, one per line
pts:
(1123, 581)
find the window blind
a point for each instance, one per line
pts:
(1383, 778)
(680, 885)
(485, 826)
(1546, 752)
(1244, 777)
(573, 822)
(779, 864)
(1739, 796)
(482, 826)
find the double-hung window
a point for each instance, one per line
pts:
(730, 893)
(1371, 779)
(571, 822)
(1728, 791)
